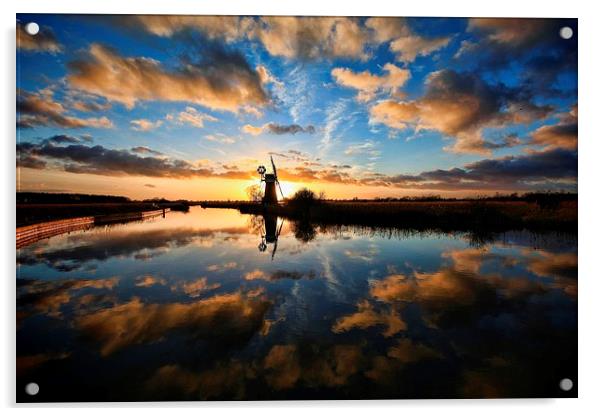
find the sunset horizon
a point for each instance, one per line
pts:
(187, 107)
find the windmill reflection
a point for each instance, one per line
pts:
(270, 231)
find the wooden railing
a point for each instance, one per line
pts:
(31, 233)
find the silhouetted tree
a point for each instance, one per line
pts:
(254, 193)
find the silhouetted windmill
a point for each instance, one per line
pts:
(271, 180)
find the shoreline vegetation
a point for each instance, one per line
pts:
(532, 211)
(546, 211)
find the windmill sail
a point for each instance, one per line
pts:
(274, 167)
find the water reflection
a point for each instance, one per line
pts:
(186, 308)
(270, 231)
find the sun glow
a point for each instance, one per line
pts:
(289, 188)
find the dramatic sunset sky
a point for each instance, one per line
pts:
(188, 106)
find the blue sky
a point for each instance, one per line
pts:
(188, 106)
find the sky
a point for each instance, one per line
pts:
(187, 107)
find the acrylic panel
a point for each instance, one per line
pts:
(287, 208)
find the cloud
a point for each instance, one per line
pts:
(48, 297)
(561, 135)
(40, 109)
(386, 28)
(557, 166)
(278, 129)
(407, 351)
(460, 105)
(222, 267)
(409, 47)
(220, 138)
(145, 150)
(145, 125)
(548, 264)
(515, 32)
(367, 317)
(252, 130)
(368, 84)
(43, 41)
(63, 138)
(335, 114)
(192, 117)
(195, 288)
(89, 106)
(405, 44)
(311, 38)
(78, 158)
(233, 316)
(277, 275)
(220, 80)
(367, 148)
(229, 28)
(149, 280)
(306, 38)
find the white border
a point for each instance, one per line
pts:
(590, 201)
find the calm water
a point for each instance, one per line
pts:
(208, 305)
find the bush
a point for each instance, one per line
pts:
(303, 198)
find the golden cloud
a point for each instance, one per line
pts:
(40, 109)
(367, 317)
(252, 130)
(404, 43)
(409, 47)
(145, 125)
(369, 84)
(194, 288)
(386, 28)
(47, 297)
(229, 28)
(149, 280)
(311, 37)
(221, 83)
(561, 135)
(459, 105)
(192, 117)
(134, 322)
(284, 363)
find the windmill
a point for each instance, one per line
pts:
(271, 180)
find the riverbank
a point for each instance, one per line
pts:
(29, 214)
(465, 215)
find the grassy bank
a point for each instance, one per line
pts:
(464, 215)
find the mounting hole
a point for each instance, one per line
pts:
(32, 28)
(566, 32)
(566, 384)
(32, 389)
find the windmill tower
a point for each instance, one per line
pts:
(271, 180)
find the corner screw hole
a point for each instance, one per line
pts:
(566, 384)
(32, 28)
(32, 389)
(566, 33)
